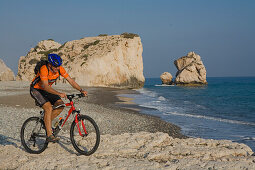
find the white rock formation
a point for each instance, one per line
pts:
(6, 74)
(28, 62)
(191, 70)
(107, 61)
(166, 78)
(134, 151)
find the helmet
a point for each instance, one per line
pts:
(55, 60)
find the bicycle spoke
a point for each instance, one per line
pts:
(33, 136)
(87, 142)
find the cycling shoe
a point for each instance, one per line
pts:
(52, 138)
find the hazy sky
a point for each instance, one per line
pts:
(222, 32)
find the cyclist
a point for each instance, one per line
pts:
(45, 96)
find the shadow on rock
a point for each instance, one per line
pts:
(4, 140)
(65, 143)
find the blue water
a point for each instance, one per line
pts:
(225, 109)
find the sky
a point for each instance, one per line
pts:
(222, 32)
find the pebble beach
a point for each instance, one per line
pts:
(129, 139)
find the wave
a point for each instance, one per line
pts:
(212, 118)
(162, 98)
(156, 101)
(243, 138)
(163, 85)
(147, 92)
(249, 138)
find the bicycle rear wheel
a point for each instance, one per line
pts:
(33, 135)
(85, 141)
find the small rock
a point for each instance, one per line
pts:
(166, 78)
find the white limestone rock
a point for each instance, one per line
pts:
(6, 74)
(166, 78)
(141, 150)
(191, 70)
(103, 61)
(28, 62)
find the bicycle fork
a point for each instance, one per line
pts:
(83, 126)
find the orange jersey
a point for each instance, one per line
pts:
(47, 74)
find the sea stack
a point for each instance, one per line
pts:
(191, 70)
(166, 78)
(6, 74)
(102, 61)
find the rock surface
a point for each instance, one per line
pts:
(166, 78)
(134, 151)
(6, 74)
(191, 70)
(103, 61)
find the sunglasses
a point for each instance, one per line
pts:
(54, 66)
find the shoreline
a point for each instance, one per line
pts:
(115, 110)
(147, 123)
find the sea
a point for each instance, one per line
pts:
(223, 109)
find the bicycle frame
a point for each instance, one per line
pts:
(72, 110)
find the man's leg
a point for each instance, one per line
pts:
(56, 112)
(47, 117)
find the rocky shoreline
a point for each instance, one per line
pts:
(129, 140)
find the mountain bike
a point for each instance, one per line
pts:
(84, 132)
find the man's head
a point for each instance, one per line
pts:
(55, 61)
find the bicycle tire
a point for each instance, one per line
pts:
(87, 144)
(37, 136)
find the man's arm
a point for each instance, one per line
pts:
(47, 88)
(75, 85)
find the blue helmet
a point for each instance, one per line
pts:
(55, 60)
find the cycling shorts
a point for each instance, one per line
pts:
(42, 96)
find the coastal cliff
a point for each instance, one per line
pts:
(103, 61)
(6, 74)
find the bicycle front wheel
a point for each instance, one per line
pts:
(85, 135)
(33, 135)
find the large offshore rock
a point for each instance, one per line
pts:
(191, 70)
(166, 78)
(107, 61)
(6, 74)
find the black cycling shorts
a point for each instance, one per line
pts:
(42, 96)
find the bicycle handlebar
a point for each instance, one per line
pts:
(71, 96)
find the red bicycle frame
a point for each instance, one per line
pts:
(72, 109)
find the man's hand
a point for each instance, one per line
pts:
(63, 95)
(85, 93)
